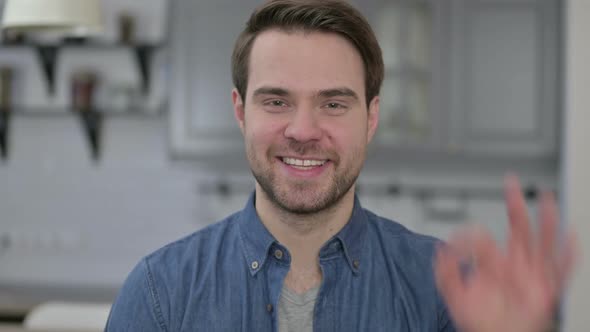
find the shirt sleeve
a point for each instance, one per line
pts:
(137, 306)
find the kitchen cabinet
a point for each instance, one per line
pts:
(503, 77)
(203, 36)
(406, 31)
(475, 78)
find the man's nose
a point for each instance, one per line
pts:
(304, 126)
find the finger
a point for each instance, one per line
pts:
(448, 278)
(477, 247)
(520, 237)
(567, 260)
(548, 219)
(546, 260)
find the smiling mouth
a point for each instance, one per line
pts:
(303, 164)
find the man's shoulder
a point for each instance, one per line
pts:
(398, 237)
(198, 246)
(160, 284)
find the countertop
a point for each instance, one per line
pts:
(19, 328)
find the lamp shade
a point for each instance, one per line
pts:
(70, 16)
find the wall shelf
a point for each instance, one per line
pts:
(66, 111)
(48, 55)
(91, 121)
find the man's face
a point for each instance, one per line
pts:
(305, 120)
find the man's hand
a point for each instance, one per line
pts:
(489, 289)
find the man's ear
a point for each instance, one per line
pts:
(373, 118)
(238, 108)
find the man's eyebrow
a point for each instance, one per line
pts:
(338, 92)
(327, 93)
(271, 91)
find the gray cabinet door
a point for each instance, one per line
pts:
(503, 77)
(203, 37)
(407, 32)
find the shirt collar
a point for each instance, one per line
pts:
(350, 238)
(257, 240)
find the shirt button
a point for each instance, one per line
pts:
(254, 265)
(269, 307)
(356, 263)
(278, 254)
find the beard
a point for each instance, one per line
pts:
(304, 197)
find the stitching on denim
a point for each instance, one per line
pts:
(243, 240)
(156, 300)
(246, 251)
(333, 257)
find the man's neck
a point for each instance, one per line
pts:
(303, 235)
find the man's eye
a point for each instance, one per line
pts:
(334, 108)
(334, 105)
(275, 105)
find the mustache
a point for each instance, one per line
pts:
(304, 148)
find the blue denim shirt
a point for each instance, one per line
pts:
(377, 276)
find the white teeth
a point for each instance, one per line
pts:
(303, 162)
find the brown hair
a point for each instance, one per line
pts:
(334, 16)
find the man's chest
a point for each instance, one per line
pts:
(341, 304)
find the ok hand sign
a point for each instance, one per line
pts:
(512, 289)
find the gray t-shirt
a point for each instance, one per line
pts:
(296, 310)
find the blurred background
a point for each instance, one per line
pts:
(117, 141)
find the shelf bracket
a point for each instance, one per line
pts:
(92, 125)
(143, 55)
(4, 126)
(48, 58)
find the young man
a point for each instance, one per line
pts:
(303, 255)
